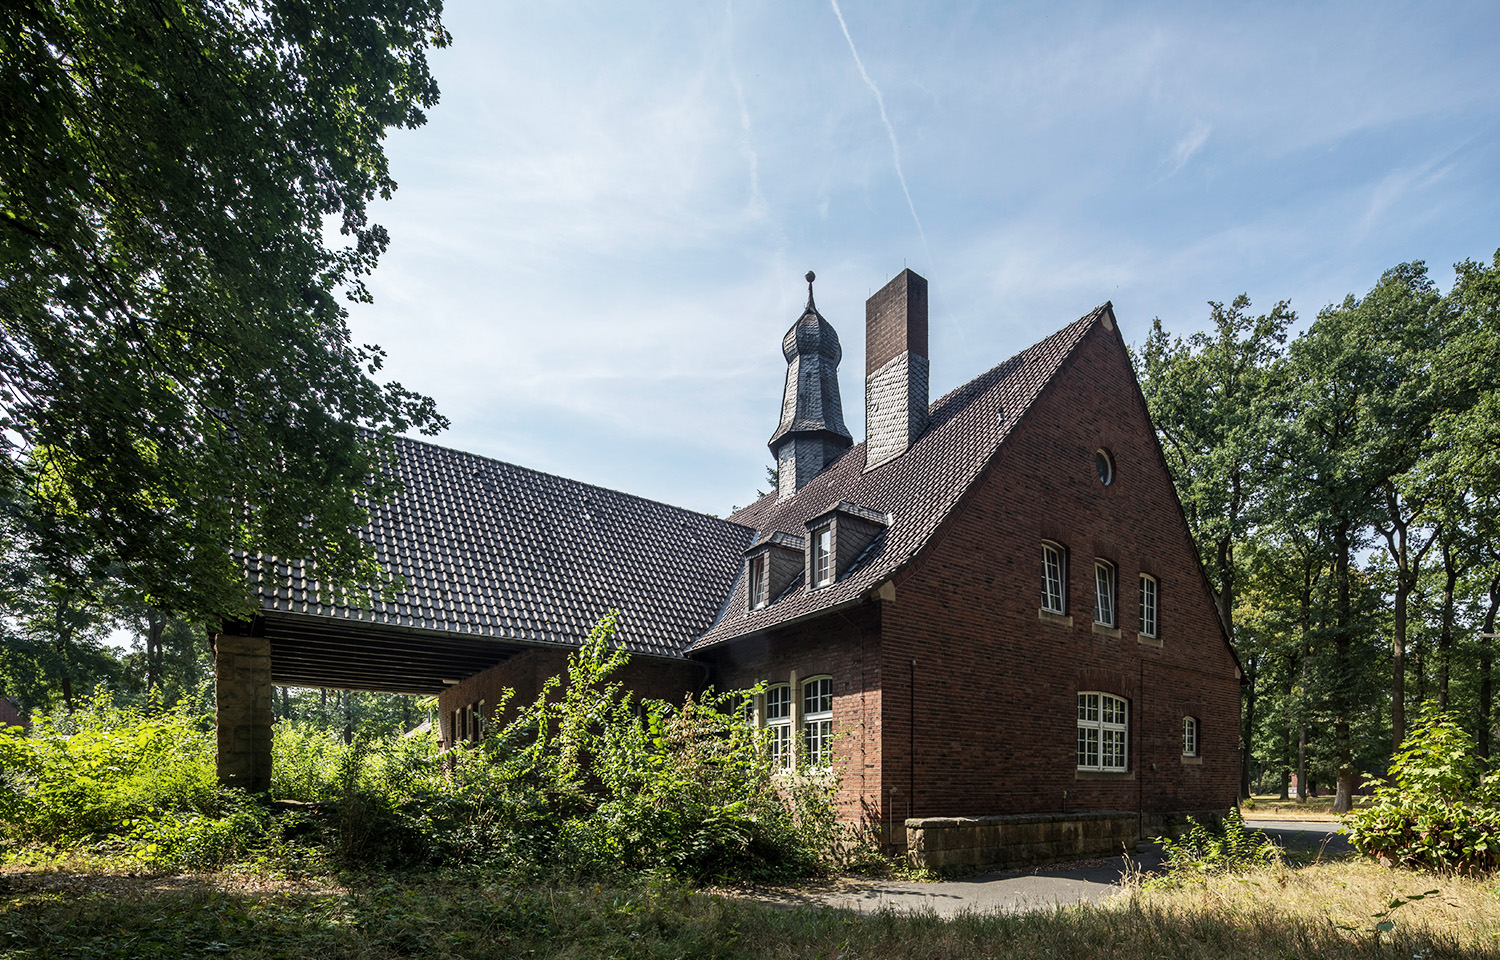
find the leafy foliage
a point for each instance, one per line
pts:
(1439, 809)
(1204, 851)
(585, 782)
(177, 379)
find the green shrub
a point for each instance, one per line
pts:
(1204, 851)
(584, 782)
(82, 777)
(1438, 809)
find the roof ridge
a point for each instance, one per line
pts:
(1076, 327)
(568, 480)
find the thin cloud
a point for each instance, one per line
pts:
(1187, 148)
(757, 208)
(889, 129)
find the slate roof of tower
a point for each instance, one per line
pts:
(916, 490)
(495, 550)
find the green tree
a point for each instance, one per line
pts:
(177, 377)
(1212, 399)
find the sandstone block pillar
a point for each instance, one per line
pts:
(242, 691)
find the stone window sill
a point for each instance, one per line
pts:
(1147, 641)
(1103, 775)
(1047, 616)
(1192, 761)
(1112, 632)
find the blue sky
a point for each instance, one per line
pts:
(600, 234)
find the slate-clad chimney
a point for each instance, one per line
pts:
(895, 368)
(812, 432)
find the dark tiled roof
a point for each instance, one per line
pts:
(917, 489)
(495, 550)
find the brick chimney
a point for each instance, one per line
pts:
(895, 368)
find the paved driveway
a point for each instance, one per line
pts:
(1037, 888)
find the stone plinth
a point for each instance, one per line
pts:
(972, 844)
(242, 691)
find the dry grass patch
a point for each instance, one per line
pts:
(1350, 896)
(1269, 913)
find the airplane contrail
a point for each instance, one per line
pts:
(890, 130)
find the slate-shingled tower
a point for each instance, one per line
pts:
(812, 432)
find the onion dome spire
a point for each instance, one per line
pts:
(812, 432)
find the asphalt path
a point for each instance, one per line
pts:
(1037, 888)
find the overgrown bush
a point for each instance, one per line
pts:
(1204, 851)
(587, 781)
(137, 780)
(584, 782)
(1438, 809)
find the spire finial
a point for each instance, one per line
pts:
(810, 278)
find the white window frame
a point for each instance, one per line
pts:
(1103, 732)
(1104, 592)
(822, 555)
(1150, 605)
(1054, 577)
(758, 583)
(817, 721)
(1102, 457)
(778, 720)
(1189, 736)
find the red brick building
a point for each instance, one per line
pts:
(990, 608)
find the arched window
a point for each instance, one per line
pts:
(1054, 577)
(1102, 732)
(1104, 593)
(817, 721)
(1189, 736)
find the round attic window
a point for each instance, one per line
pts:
(1104, 466)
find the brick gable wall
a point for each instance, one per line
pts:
(996, 683)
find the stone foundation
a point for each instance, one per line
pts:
(242, 693)
(973, 844)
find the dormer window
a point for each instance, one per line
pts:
(837, 540)
(757, 582)
(822, 556)
(772, 566)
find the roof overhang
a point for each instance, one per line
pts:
(353, 655)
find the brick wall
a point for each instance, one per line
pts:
(525, 673)
(846, 648)
(995, 682)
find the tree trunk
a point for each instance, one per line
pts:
(1398, 664)
(1486, 667)
(156, 624)
(1247, 729)
(1445, 635)
(1343, 674)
